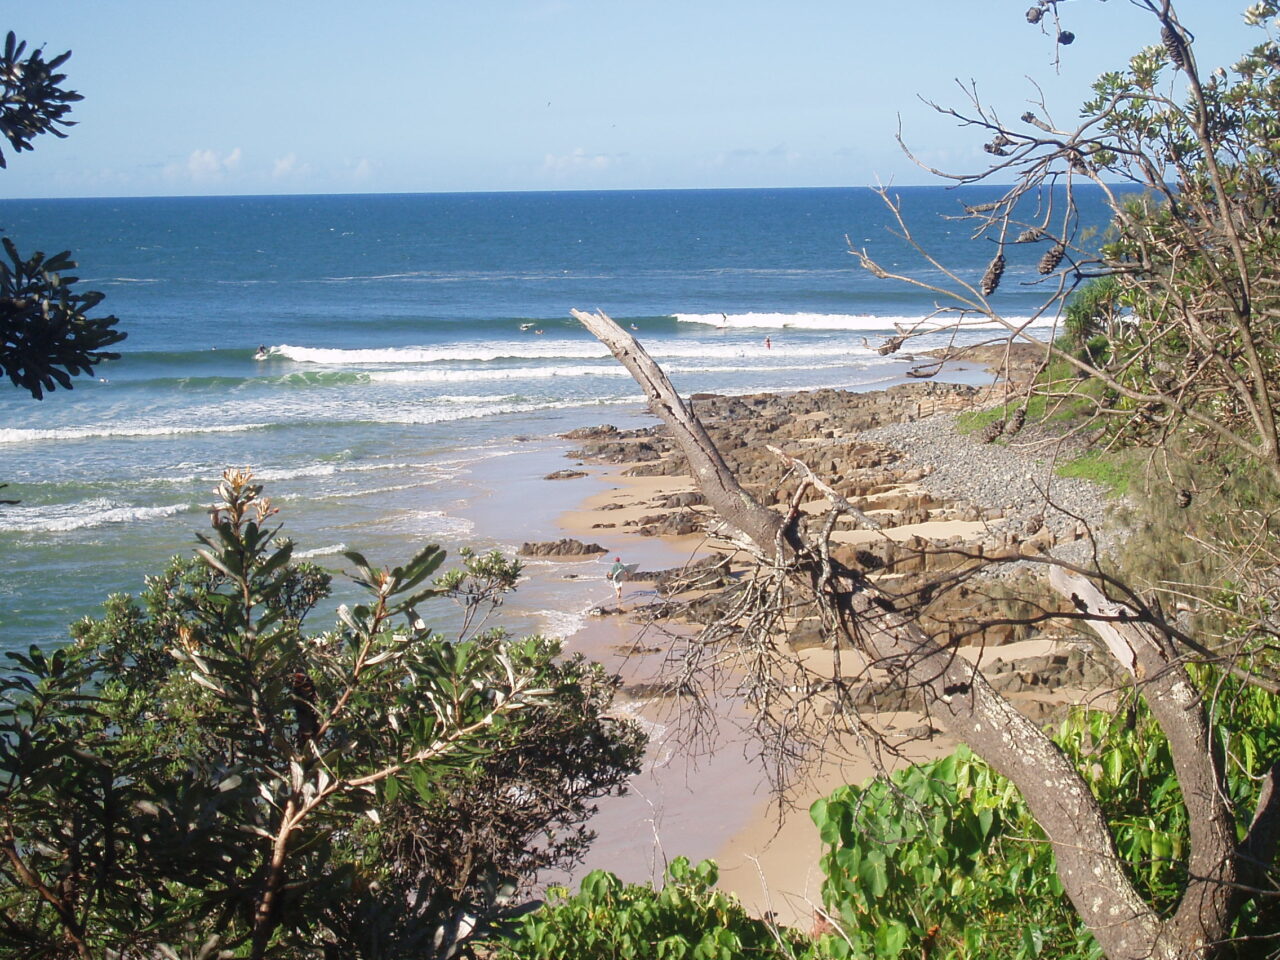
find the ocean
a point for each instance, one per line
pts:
(420, 362)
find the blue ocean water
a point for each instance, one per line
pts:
(419, 353)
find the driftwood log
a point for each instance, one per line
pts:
(959, 696)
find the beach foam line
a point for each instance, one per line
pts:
(457, 411)
(843, 321)
(484, 376)
(553, 349)
(546, 350)
(331, 550)
(26, 435)
(563, 624)
(210, 473)
(63, 518)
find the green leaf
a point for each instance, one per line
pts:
(890, 939)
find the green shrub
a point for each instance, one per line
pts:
(943, 859)
(610, 920)
(196, 777)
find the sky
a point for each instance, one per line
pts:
(400, 96)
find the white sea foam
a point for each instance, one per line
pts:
(431, 524)
(562, 623)
(198, 473)
(371, 491)
(62, 518)
(842, 321)
(510, 373)
(488, 409)
(333, 548)
(700, 350)
(538, 348)
(23, 435)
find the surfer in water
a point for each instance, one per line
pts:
(262, 353)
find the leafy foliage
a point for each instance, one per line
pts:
(196, 777)
(944, 858)
(685, 920)
(32, 101)
(46, 335)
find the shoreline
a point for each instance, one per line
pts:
(770, 860)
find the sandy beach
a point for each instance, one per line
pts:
(711, 799)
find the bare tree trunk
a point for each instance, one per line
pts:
(1124, 924)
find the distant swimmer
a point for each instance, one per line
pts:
(634, 327)
(526, 326)
(538, 332)
(262, 353)
(768, 343)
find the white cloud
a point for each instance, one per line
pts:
(204, 166)
(579, 159)
(750, 157)
(288, 166)
(363, 169)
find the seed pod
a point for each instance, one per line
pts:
(995, 149)
(1033, 235)
(992, 431)
(1066, 38)
(1015, 422)
(991, 279)
(1034, 14)
(1052, 257)
(1184, 499)
(1174, 46)
(892, 345)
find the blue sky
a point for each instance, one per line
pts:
(445, 95)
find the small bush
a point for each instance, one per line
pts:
(685, 920)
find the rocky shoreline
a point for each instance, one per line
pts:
(941, 499)
(938, 496)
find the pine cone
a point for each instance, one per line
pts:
(1184, 499)
(1176, 49)
(991, 279)
(1052, 257)
(1033, 235)
(1015, 422)
(992, 431)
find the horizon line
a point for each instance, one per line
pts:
(441, 193)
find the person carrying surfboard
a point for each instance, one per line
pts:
(616, 574)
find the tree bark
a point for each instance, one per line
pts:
(1125, 926)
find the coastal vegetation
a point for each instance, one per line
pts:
(380, 789)
(1176, 355)
(196, 776)
(46, 334)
